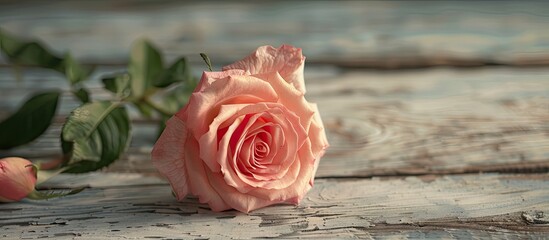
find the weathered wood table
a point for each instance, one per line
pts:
(455, 151)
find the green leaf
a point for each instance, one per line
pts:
(30, 121)
(24, 52)
(119, 84)
(82, 94)
(95, 135)
(48, 194)
(179, 71)
(145, 66)
(74, 71)
(206, 60)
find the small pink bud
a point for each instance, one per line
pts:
(17, 179)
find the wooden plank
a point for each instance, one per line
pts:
(438, 121)
(375, 34)
(467, 206)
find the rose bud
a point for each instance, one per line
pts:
(247, 138)
(17, 179)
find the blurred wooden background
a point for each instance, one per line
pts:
(437, 113)
(392, 34)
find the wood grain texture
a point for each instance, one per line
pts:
(467, 206)
(439, 121)
(374, 34)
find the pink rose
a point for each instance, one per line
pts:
(17, 179)
(247, 138)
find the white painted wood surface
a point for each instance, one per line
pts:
(465, 206)
(125, 206)
(410, 148)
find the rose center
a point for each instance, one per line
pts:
(261, 149)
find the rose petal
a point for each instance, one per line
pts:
(203, 107)
(236, 164)
(168, 156)
(17, 178)
(283, 181)
(287, 60)
(317, 134)
(272, 177)
(209, 77)
(235, 199)
(289, 97)
(200, 185)
(294, 192)
(319, 141)
(225, 158)
(209, 141)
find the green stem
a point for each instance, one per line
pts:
(45, 175)
(154, 106)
